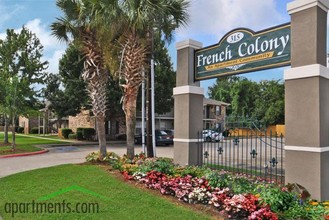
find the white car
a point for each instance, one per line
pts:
(209, 135)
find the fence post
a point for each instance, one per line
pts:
(307, 99)
(188, 106)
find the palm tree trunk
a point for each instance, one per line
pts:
(130, 110)
(100, 123)
(5, 139)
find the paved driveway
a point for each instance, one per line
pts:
(65, 155)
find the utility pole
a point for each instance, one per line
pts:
(150, 127)
(149, 144)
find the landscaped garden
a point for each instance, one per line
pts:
(233, 196)
(88, 184)
(24, 144)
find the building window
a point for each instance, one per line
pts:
(218, 110)
(207, 111)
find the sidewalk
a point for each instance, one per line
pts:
(70, 153)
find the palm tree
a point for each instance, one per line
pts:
(133, 23)
(141, 20)
(76, 24)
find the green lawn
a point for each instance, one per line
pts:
(25, 144)
(115, 199)
(45, 136)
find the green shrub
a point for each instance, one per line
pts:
(20, 130)
(79, 129)
(226, 133)
(35, 130)
(280, 200)
(220, 180)
(79, 135)
(110, 157)
(122, 137)
(241, 185)
(72, 136)
(193, 171)
(163, 165)
(66, 132)
(88, 133)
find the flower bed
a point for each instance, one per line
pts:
(234, 196)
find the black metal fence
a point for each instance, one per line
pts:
(251, 152)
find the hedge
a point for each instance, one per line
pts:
(66, 132)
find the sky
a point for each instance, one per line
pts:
(209, 21)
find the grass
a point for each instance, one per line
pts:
(25, 144)
(56, 137)
(115, 199)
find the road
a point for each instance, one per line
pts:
(68, 154)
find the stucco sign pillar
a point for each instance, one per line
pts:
(307, 99)
(188, 107)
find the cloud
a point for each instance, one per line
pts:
(54, 59)
(209, 17)
(7, 12)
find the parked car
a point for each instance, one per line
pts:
(209, 135)
(138, 139)
(170, 132)
(161, 138)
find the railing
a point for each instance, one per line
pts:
(261, 156)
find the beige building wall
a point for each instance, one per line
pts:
(27, 123)
(81, 120)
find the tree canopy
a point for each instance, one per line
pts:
(263, 101)
(21, 70)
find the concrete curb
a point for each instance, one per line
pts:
(24, 154)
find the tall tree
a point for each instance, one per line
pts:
(165, 78)
(269, 104)
(76, 22)
(221, 90)
(66, 90)
(142, 20)
(21, 68)
(244, 94)
(263, 100)
(164, 81)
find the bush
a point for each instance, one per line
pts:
(66, 132)
(35, 130)
(20, 130)
(122, 137)
(79, 130)
(226, 133)
(163, 165)
(72, 136)
(88, 133)
(79, 135)
(94, 157)
(193, 171)
(279, 199)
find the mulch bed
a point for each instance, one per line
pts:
(202, 209)
(10, 151)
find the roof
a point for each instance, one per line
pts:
(214, 102)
